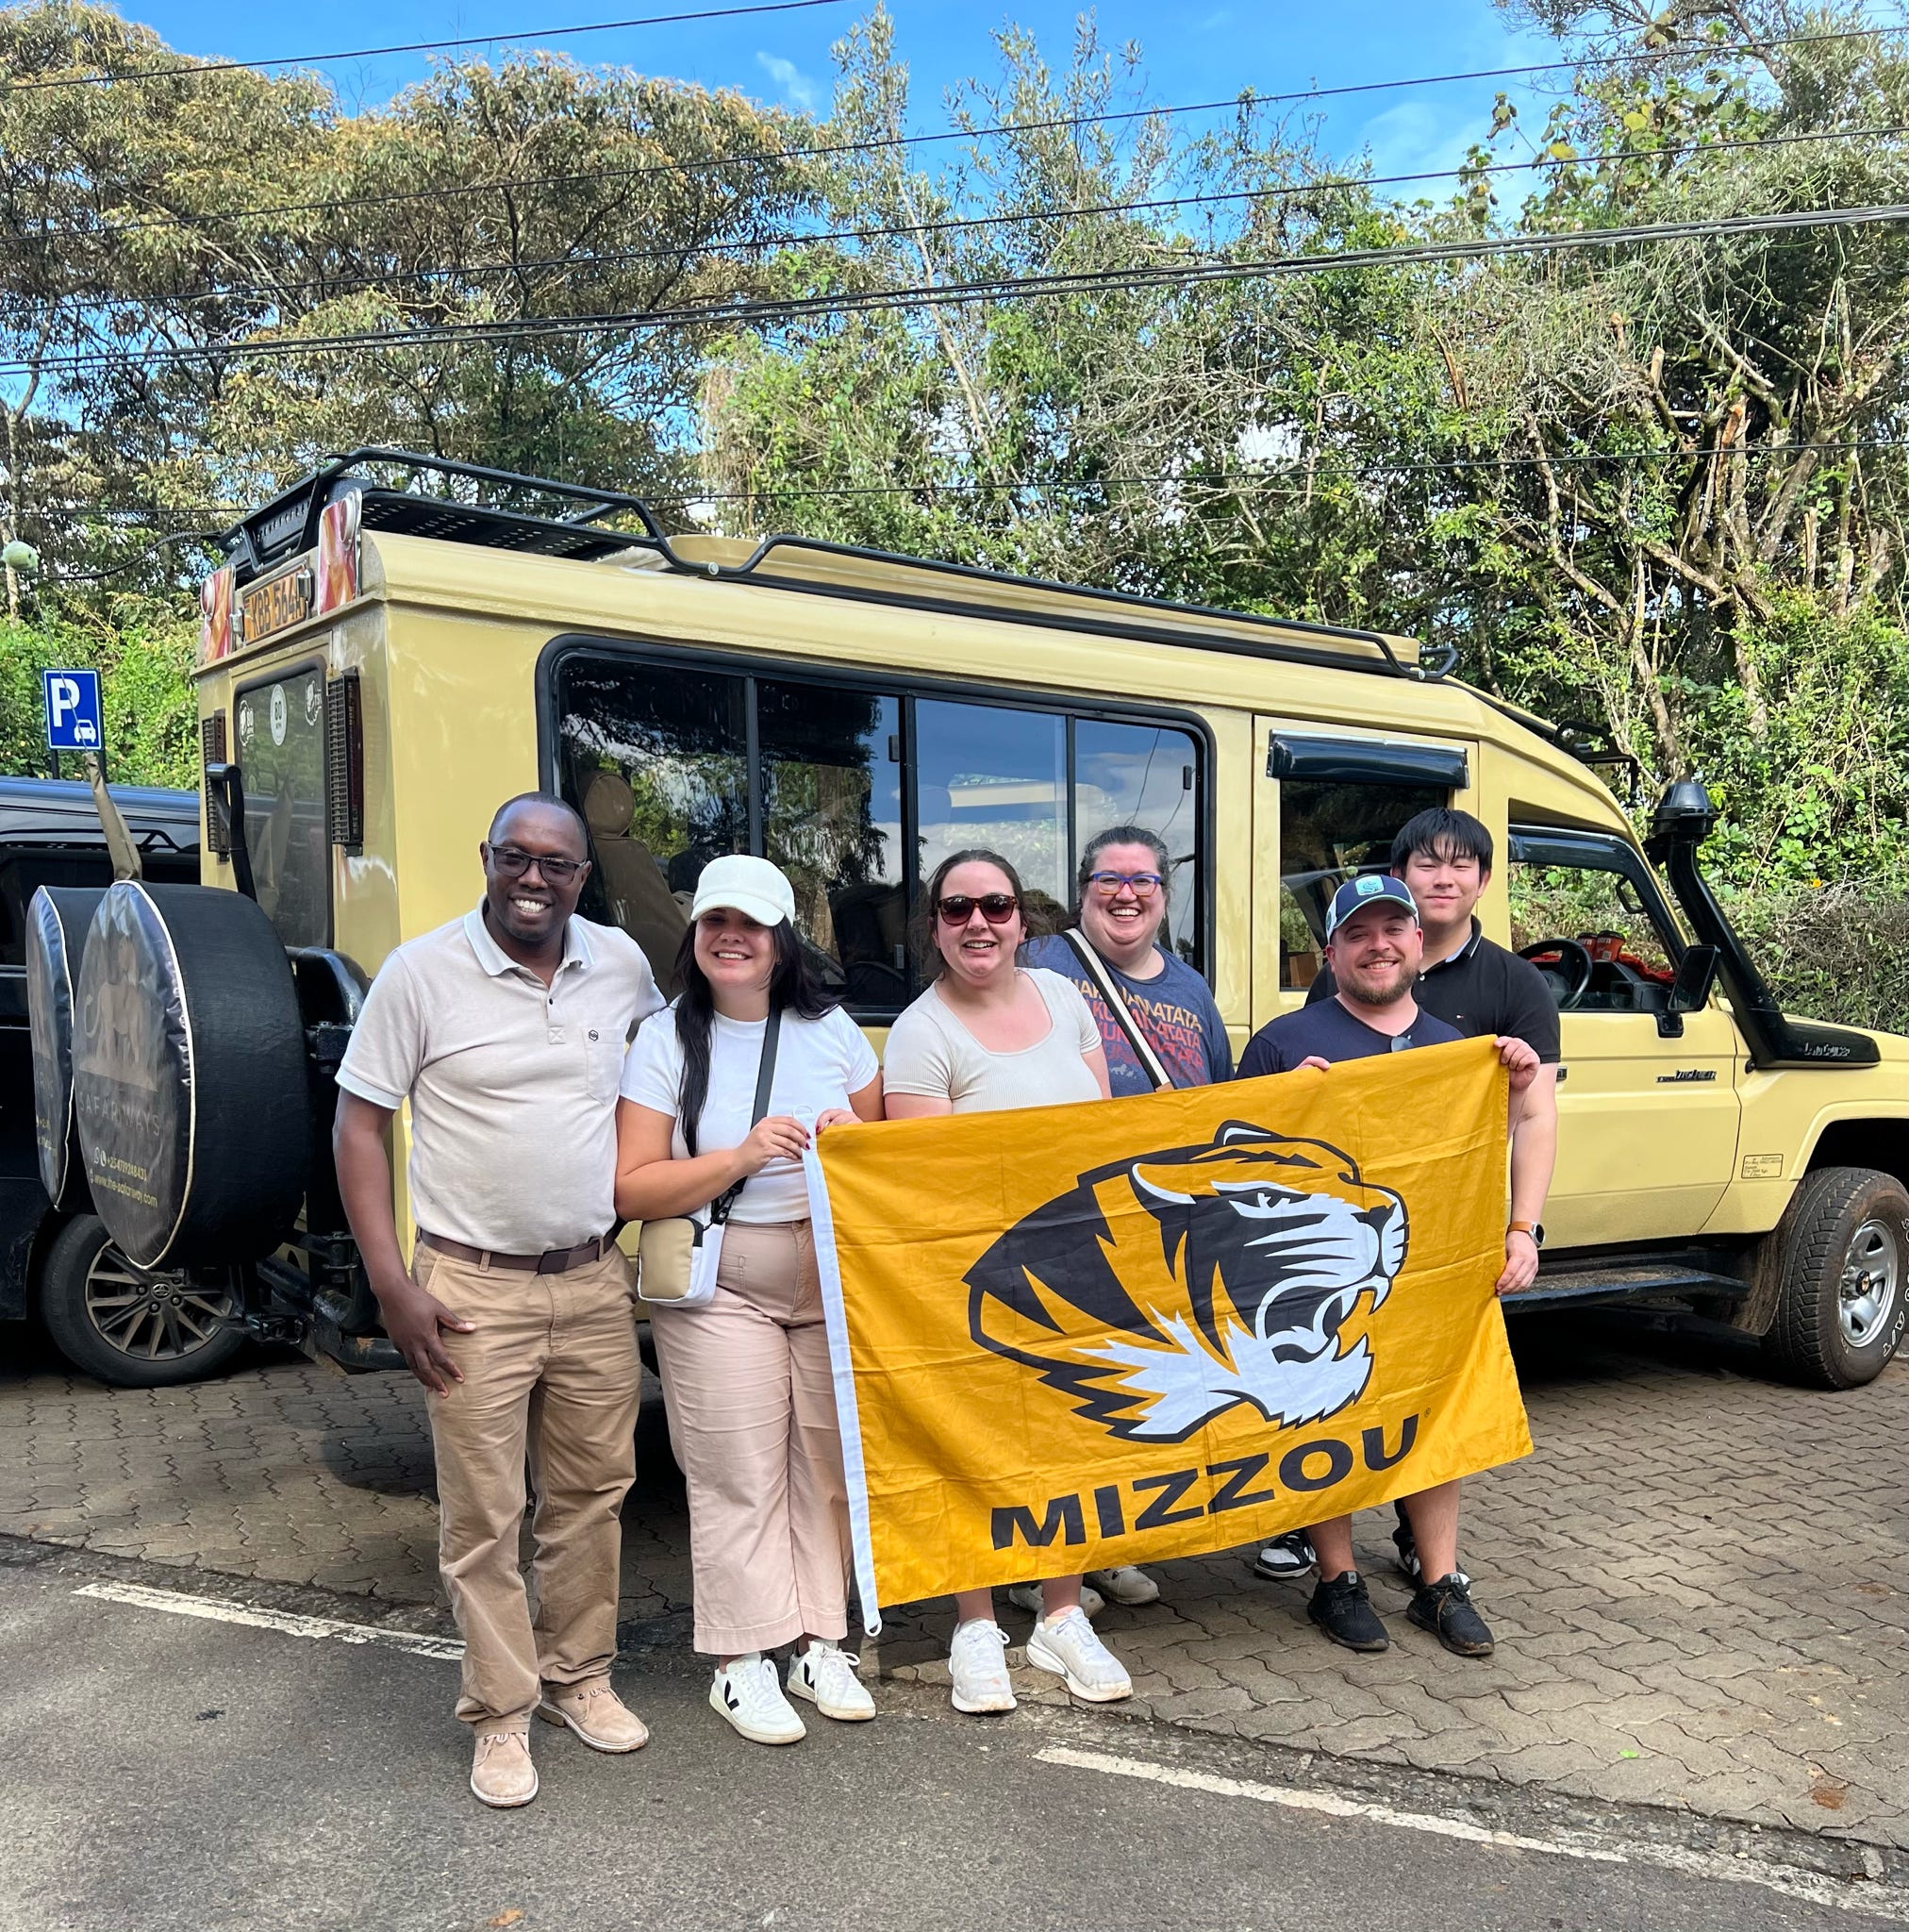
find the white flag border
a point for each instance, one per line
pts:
(821, 1225)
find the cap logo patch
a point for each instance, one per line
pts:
(1368, 884)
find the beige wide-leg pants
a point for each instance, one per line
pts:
(752, 1423)
(551, 1373)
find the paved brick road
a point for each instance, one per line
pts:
(1697, 1583)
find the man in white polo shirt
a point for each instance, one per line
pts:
(505, 1031)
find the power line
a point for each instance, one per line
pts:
(192, 70)
(1160, 477)
(755, 313)
(627, 258)
(883, 143)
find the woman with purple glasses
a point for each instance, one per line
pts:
(991, 1033)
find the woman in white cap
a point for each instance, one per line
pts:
(746, 1372)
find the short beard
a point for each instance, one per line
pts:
(1367, 996)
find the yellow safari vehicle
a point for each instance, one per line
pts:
(399, 643)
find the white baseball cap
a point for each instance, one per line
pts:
(753, 887)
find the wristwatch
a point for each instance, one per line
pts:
(1533, 1228)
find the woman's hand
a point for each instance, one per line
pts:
(836, 1117)
(778, 1138)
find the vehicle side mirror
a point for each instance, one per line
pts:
(1696, 975)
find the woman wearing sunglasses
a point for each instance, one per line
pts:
(746, 1374)
(988, 1034)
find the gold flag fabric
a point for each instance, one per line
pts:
(1071, 1338)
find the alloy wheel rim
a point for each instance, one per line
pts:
(151, 1317)
(1872, 1269)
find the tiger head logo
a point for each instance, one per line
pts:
(1158, 1291)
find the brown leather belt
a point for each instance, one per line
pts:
(552, 1261)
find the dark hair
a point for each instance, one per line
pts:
(544, 798)
(1441, 833)
(1126, 835)
(1034, 921)
(794, 988)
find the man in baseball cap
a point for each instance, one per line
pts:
(1376, 946)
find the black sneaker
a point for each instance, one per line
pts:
(1444, 1609)
(1290, 1555)
(1344, 1611)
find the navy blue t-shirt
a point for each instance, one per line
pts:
(1328, 1030)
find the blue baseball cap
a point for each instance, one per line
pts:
(1370, 889)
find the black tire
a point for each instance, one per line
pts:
(189, 1083)
(57, 918)
(129, 1328)
(1841, 1249)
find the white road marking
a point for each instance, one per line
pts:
(216, 1610)
(1853, 1894)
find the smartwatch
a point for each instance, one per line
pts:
(1533, 1228)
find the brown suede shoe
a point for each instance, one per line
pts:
(502, 1774)
(596, 1713)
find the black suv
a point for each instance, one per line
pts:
(139, 1329)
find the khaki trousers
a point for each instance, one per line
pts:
(752, 1423)
(550, 1372)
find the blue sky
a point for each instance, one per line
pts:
(1207, 50)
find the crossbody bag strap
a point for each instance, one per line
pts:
(765, 1080)
(1096, 969)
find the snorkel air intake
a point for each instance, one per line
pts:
(1683, 819)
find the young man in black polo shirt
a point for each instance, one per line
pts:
(1377, 950)
(1475, 985)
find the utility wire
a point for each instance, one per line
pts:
(759, 313)
(707, 493)
(624, 257)
(881, 144)
(190, 69)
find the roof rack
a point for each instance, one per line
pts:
(288, 524)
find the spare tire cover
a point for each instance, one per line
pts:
(57, 922)
(189, 1085)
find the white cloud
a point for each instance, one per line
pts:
(793, 82)
(1415, 138)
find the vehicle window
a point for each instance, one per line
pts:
(1590, 900)
(993, 777)
(656, 760)
(831, 790)
(1328, 833)
(656, 757)
(281, 757)
(1144, 775)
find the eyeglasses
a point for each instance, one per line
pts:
(997, 909)
(1142, 884)
(512, 863)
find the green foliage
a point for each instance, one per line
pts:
(144, 653)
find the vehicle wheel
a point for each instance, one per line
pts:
(1841, 1246)
(131, 1326)
(190, 1085)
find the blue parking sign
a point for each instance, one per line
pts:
(73, 722)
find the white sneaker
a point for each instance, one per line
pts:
(1127, 1585)
(977, 1661)
(747, 1693)
(1026, 1596)
(827, 1676)
(1069, 1648)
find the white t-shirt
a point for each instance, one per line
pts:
(819, 1063)
(930, 1052)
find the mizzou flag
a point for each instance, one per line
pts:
(1076, 1337)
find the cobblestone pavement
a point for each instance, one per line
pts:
(1697, 1583)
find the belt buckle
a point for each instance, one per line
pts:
(554, 1260)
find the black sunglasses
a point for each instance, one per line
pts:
(997, 909)
(512, 863)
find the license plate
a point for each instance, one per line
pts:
(275, 605)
